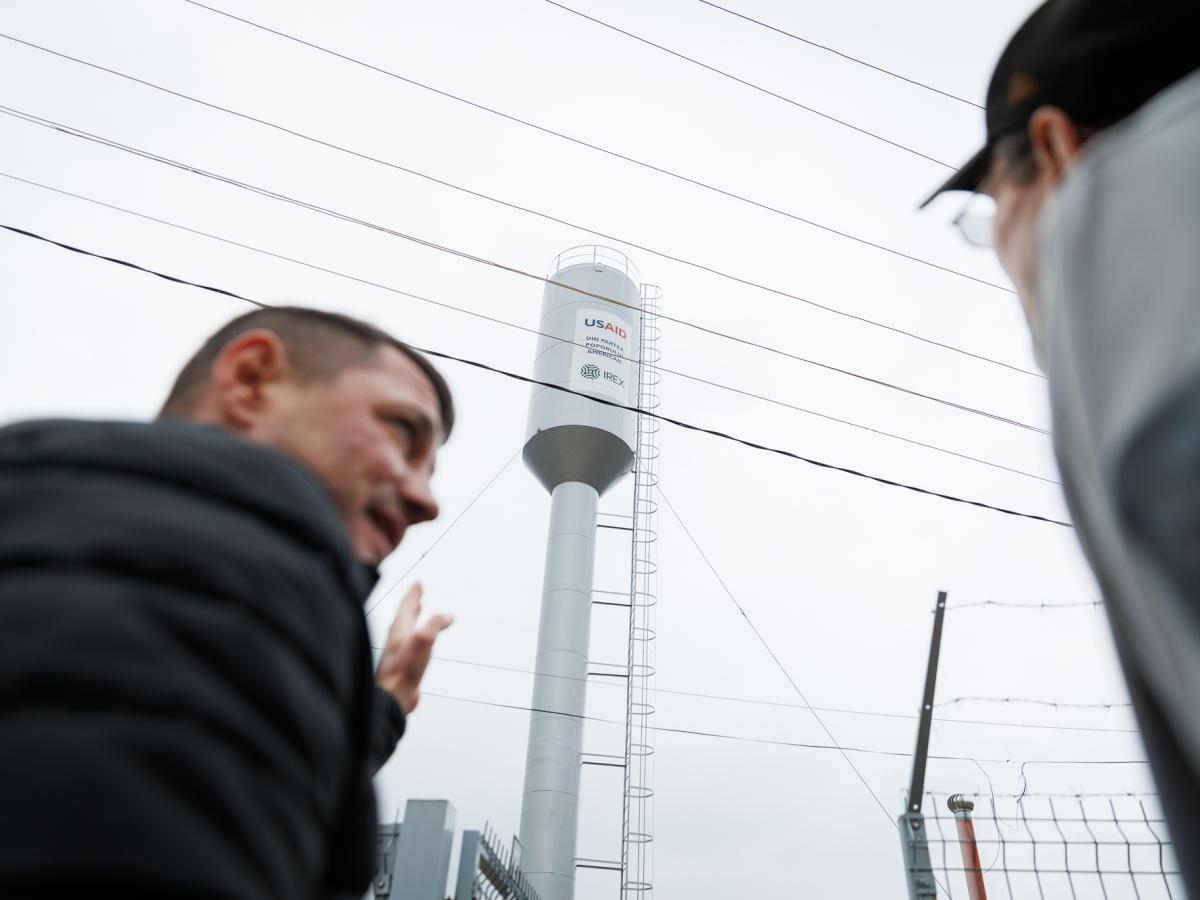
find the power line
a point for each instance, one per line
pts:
(508, 324)
(778, 662)
(629, 159)
(129, 265)
(753, 86)
(847, 56)
(529, 211)
(466, 509)
(687, 731)
(782, 705)
(693, 732)
(756, 446)
(555, 387)
(914, 442)
(462, 254)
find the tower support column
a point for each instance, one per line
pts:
(550, 804)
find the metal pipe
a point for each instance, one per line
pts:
(550, 805)
(972, 869)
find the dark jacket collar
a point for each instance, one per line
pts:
(204, 459)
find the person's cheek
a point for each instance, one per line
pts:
(1011, 241)
(1001, 231)
(361, 460)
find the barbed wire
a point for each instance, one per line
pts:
(1032, 701)
(1005, 604)
(1058, 795)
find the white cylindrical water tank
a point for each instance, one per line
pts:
(590, 344)
(577, 448)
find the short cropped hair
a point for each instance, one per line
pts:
(320, 346)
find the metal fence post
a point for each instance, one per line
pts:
(918, 868)
(468, 865)
(423, 851)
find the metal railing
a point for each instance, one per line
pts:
(597, 256)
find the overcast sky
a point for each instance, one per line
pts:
(839, 573)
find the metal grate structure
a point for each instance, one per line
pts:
(1106, 848)
(637, 825)
(487, 871)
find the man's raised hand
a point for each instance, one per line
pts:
(408, 649)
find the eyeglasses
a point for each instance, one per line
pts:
(977, 221)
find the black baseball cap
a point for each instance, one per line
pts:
(1097, 60)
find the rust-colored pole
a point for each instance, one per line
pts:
(962, 808)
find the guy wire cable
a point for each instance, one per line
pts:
(687, 426)
(445, 531)
(774, 657)
(737, 279)
(654, 168)
(462, 254)
(507, 324)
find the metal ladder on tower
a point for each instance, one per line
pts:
(637, 828)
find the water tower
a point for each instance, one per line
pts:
(578, 449)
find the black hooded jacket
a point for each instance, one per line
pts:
(186, 696)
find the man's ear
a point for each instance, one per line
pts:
(1055, 140)
(245, 374)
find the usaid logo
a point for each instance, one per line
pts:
(607, 326)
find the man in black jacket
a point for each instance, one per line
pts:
(187, 707)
